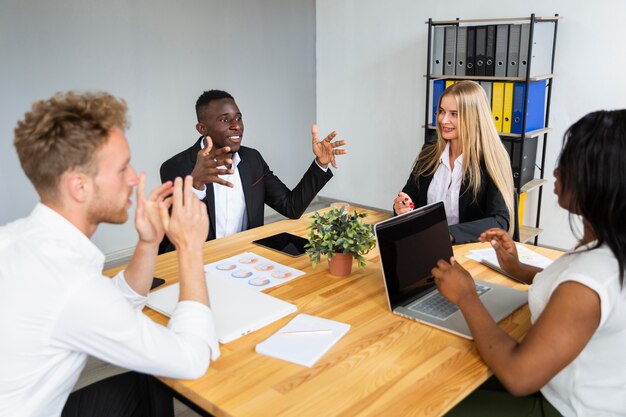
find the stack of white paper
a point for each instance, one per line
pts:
(303, 340)
(489, 258)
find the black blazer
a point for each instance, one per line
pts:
(260, 186)
(476, 215)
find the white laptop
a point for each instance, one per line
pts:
(410, 246)
(237, 310)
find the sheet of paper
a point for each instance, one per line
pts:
(253, 271)
(236, 311)
(304, 340)
(526, 256)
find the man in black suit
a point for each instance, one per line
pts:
(235, 181)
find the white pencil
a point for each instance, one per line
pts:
(295, 332)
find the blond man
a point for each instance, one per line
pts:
(56, 307)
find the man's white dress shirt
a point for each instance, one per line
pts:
(56, 308)
(230, 203)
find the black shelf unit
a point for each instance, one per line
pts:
(527, 232)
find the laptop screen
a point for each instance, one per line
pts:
(410, 246)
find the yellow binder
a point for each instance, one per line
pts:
(497, 104)
(450, 82)
(520, 209)
(507, 108)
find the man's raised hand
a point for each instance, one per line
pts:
(206, 170)
(325, 150)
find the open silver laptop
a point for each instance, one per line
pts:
(237, 310)
(410, 246)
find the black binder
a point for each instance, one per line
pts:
(470, 51)
(490, 51)
(523, 166)
(480, 50)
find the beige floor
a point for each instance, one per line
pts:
(96, 370)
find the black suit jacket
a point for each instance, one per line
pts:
(260, 185)
(476, 215)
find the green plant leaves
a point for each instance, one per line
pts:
(337, 231)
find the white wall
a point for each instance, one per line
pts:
(371, 58)
(160, 56)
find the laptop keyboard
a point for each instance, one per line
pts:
(436, 306)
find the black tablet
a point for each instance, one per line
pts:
(284, 242)
(156, 282)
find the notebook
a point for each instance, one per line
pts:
(304, 340)
(237, 310)
(410, 246)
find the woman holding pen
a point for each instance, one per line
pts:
(467, 167)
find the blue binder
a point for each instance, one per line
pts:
(535, 109)
(438, 87)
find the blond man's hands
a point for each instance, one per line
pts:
(188, 224)
(147, 215)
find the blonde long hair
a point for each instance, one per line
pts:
(479, 142)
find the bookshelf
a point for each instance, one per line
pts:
(468, 49)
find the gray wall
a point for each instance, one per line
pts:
(371, 59)
(159, 56)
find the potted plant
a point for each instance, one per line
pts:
(340, 236)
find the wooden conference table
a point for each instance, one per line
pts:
(385, 365)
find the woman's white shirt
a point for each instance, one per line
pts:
(446, 185)
(593, 384)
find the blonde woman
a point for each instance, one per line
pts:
(467, 167)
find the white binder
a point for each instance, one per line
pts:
(543, 38)
(436, 66)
